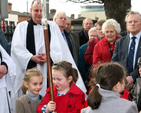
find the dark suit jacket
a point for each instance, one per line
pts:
(83, 37)
(121, 53)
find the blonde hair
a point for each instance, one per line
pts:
(29, 73)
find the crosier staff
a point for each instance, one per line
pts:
(46, 40)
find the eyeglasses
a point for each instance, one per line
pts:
(88, 23)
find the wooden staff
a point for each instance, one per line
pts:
(49, 69)
(47, 48)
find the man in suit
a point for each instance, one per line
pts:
(60, 19)
(83, 35)
(123, 47)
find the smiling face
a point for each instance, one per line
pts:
(35, 84)
(36, 12)
(110, 34)
(134, 24)
(61, 83)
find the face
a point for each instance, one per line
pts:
(61, 20)
(140, 70)
(134, 24)
(88, 24)
(36, 12)
(119, 87)
(110, 34)
(92, 35)
(99, 31)
(68, 24)
(61, 83)
(35, 84)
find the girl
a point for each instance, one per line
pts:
(68, 98)
(105, 97)
(31, 87)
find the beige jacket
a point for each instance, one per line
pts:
(24, 105)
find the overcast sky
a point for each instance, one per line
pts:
(59, 5)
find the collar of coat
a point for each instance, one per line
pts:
(106, 42)
(73, 89)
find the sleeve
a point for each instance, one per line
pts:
(133, 92)
(19, 108)
(133, 108)
(96, 55)
(43, 104)
(81, 64)
(115, 54)
(88, 57)
(4, 42)
(79, 103)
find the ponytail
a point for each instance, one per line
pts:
(24, 89)
(94, 98)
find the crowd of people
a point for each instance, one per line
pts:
(97, 70)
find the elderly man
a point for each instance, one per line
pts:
(60, 19)
(73, 34)
(128, 48)
(83, 35)
(28, 49)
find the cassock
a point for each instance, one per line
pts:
(58, 51)
(6, 82)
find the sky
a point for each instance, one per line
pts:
(60, 5)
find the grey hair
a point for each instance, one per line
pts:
(132, 13)
(85, 20)
(111, 23)
(67, 17)
(92, 30)
(56, 15)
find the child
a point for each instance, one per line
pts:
(31, 87)
(136, 91)
(105, 97)
(68, 98)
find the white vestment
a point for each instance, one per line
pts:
(6, 83)
(58, 51)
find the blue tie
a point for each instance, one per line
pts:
(131, 56)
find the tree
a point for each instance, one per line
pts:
(115, 9)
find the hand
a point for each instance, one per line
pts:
(3, 71)
(39, 59)
(43, 57)
(130, 82)
(50, 107)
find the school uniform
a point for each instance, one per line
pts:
(68, 103)
(25, 105)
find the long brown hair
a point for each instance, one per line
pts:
(107, 75)
(67, 68)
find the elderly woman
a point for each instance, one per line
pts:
(104, 49)
(82, 65)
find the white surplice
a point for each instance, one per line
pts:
(59, 51)
(6, 83)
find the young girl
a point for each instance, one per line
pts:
(31, 87)
(105, 97)
(68, 98)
